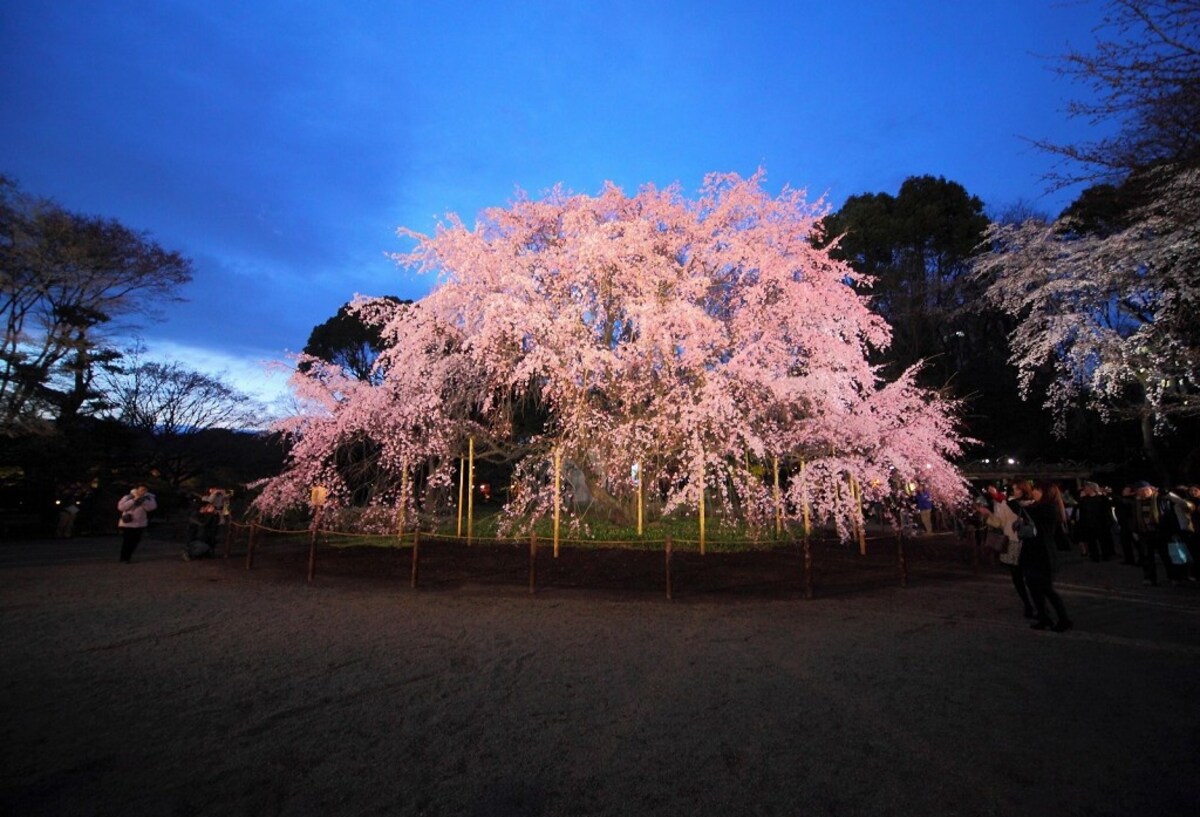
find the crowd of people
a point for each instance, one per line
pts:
(1031, 524)
(208, 512)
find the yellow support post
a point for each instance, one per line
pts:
(859, 528)
(778, 500)
(805, 514)
(470, 488)
(557, 494)
(462, 476)
(641, 500)
(400, 512)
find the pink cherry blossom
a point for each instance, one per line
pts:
(693, 342)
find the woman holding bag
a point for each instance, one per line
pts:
(1003, 519)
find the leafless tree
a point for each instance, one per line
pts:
(1144, 71)
(67, 281)
(173, 407)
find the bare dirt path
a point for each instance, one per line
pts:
(173, 688)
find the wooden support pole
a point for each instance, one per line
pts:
(778, 499)
(416, 555)
(901, 562)
(667, 555)
(462, 476)
(532, 563)
(860, 529)
(806, 548)
(701, 510)
(400, 512)
(470, 488)
(250, 545)
(557, 494)
(805, 514)
(312, 544)
(641, 501)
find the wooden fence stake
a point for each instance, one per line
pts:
(778, 499)
(668, 566)
(860, 528)
(415, 557)
(250, 545)
(806, 547)
(462, 476)
(401, 511)
(804, 509)
(532, 563)
(470, 488)
(557, 494)
(901, 562)
(312, 547)
(641, 497)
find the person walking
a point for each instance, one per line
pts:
(1193, 539)
(1123, 511)
(134, 508)
(1181, 506)
(1153, 521)
(925, 508)
(1093, 529)
(1053, 494)
(1037, 559)
(66, 521)
(1002, 518)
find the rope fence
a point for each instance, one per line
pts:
(813, 556)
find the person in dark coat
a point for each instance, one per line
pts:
(202, 530)
(1093, 529)
(1123, 510)
(1037, 560)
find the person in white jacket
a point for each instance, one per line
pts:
(134, 507)
(1003, 518)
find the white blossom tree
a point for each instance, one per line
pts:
(1106, 294)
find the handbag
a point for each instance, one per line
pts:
(126, 517)
(1178, 551)
(995, 541)
(1024, 527)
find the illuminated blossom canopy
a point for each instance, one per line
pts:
(691, 343)
(1109, 313)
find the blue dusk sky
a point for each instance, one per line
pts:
(280, 145)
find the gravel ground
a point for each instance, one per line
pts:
(173, 688)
